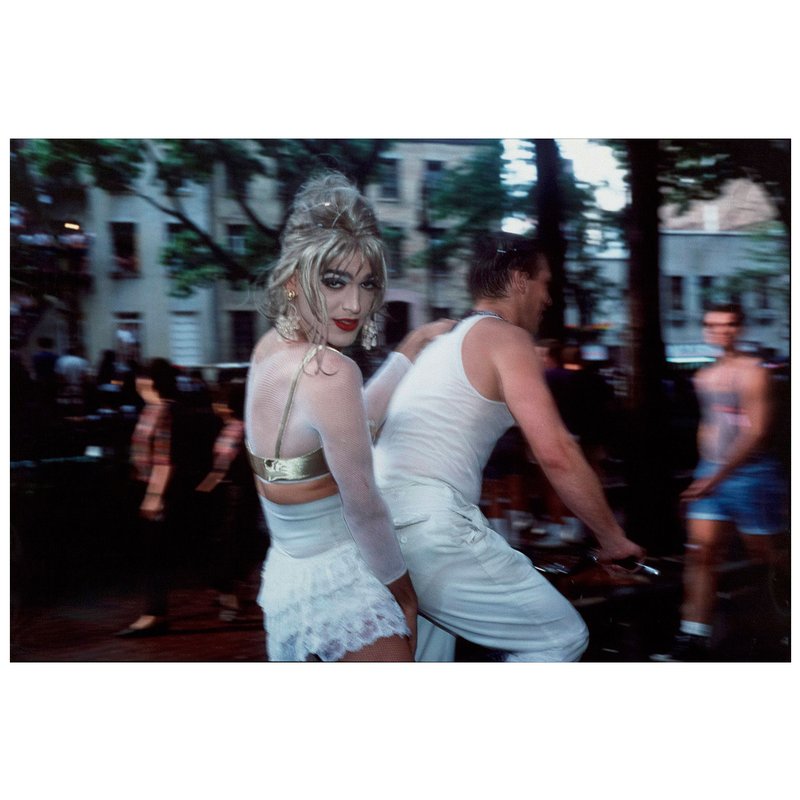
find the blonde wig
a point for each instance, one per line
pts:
(330, 224)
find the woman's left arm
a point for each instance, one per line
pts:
(380, 388)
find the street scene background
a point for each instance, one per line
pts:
(90, 720)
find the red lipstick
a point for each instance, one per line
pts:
(348, 325)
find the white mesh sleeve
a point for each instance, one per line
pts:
(380, 387)
(332, 400)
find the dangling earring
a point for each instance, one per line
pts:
(288, 323)
(369, 334)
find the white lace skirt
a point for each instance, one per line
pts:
(318, 595)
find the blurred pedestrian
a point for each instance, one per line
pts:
(153, 466)
(235, 507)
(171, 451)
(107, 368)
(594, 408)
(24, 410)
(130, 401)
(106, 391)
(737, 484)
(44, 360)
(73, 374)
(44, 368)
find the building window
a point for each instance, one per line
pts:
(393, 239)
(243, 337)
(676, 293)
(389, 178)
(434, 170)
(123, 240)
(128, 336)
(705, 288)
(228, 188)
(173, 229)
(237, 239)
(184, 339)
(763, 307)
(710, 217)
(438, 259)
(762, 297)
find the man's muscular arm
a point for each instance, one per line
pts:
(510, 353)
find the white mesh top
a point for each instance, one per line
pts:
(332, 410)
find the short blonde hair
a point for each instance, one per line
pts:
(330, 223)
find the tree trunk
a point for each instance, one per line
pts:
(652, 512)
(550, 214)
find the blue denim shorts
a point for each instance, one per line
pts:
(753, 497)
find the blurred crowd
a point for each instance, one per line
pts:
(70, 414)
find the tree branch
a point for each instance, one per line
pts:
(234, 270)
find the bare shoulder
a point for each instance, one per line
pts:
(498, 339)
(500, 360)
(751, 363)
(751, 371)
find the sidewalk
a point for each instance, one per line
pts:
(75, 550)
(626, 623)
(81, 628)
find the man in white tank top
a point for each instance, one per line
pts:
(465, 390)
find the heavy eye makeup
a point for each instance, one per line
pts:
(334, 279)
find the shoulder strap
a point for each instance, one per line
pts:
(308, 356)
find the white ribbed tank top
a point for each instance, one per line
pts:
(438, 426)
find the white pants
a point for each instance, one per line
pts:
(470, 583)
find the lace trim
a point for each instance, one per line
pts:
(326, 605)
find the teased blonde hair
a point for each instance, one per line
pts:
(330, 224)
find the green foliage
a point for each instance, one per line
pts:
(590, 231)
(588, 289)
(190, 263)
(294, 161)
(768, 277)
(182, 161)
(697, 169)
(196, 260)
(471, 199)
(111, 164)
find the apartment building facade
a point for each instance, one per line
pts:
(702, 251)
(127, 305)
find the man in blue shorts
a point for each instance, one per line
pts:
(737, 484)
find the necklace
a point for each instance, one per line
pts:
(481, 313)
